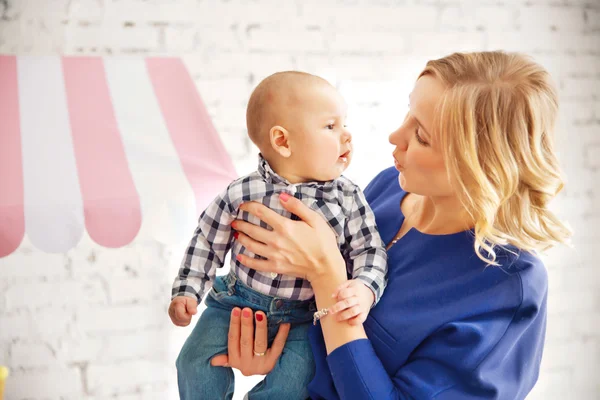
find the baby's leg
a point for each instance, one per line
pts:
(292, 373)
(196, 378)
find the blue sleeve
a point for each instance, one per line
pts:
(491, 356)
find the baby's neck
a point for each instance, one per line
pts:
(280, 169)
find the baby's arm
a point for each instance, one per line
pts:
(205, 253)
(365, 253)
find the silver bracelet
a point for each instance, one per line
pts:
(320, 314)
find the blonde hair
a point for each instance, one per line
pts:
(495, 123)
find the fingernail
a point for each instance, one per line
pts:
(259, 317)
(233, 223)
(284, 196)
(226, 365)
(236, 312)
(238, 257)
(246, 314)
(236, 235)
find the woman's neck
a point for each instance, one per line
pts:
(439, 215)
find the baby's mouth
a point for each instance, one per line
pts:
(344, 157)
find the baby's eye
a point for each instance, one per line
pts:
(330, 126)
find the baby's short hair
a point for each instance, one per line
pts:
(275, 89)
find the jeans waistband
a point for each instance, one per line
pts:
(272, 303)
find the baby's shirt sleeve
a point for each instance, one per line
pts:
(364, 249)
(206, 250)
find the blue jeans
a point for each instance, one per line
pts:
(197, 379)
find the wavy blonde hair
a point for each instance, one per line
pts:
(495, 124)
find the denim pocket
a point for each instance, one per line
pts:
(220, 288)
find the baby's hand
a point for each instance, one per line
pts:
(181, 310)
(354, 300)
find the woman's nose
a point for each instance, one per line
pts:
(397, 139)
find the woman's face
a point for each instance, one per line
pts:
(417, 155)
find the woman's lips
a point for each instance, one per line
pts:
(397, 164)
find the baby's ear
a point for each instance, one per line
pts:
(279, 138)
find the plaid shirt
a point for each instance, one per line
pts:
(340, 201)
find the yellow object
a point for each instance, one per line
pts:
(3, 376)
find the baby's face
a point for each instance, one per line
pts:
(321, 143)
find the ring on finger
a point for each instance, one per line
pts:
(259, 354)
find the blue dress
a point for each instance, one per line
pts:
(447, 326)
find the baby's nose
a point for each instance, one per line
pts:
(346, 136)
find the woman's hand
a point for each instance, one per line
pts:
(244, 344)
(305, 249)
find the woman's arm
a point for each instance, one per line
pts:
(307, 249)
(335, 333)
(495, 355)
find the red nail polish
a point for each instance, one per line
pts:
(246, 314)
(236, 235)
(259, 317)
(238, 257)
(284, 196)
(236, 312)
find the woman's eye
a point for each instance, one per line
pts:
(420, 139)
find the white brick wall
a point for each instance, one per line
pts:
(92, 324)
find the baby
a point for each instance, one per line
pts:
(297, 121)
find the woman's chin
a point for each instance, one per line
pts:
(402, 182)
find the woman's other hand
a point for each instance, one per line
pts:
(247, 339)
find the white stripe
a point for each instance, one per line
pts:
(53, 206)
(167, 199)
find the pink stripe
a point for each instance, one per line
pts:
(12, 216)
(111, 203)
(204, 159)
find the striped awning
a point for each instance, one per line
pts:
(121, 147)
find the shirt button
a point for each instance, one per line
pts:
(273, 275)
(278, 303)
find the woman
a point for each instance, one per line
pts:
(464, 312)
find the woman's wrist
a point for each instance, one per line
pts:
(328, 270)
(336, 333)
(326, 279)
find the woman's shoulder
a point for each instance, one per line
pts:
(385, 182)
(530, 270)
(384, 177)
(519, 278)
(521, 275)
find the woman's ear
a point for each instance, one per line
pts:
(279, 138)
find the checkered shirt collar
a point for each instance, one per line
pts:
(270, 176)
